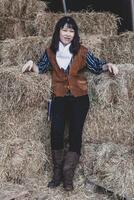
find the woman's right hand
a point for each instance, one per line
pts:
(28, 66)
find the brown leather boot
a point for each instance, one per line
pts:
(57, 157)
(71, 161)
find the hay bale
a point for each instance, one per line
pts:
(14, 28)
(19, 91)
(21, 8)
(29, 124)
(21, 159)
(88, 22)
(111, 106)
(118, 48)
(14, 191)
(11, 28)
(17, 52)
(92, 42)
(37, 189)
(23, 104)
(113, 167)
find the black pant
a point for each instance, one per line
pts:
(76, 109)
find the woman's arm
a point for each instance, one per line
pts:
(111, 68)
(30, 66)
(98, 66)
(42, 66)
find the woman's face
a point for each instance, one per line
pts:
(66, 35)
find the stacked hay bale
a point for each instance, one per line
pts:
(108, 135)
(108, 132)
(118, 48)
(16, 52)
(88, 22)
(16, 17)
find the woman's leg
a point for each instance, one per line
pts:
(78, 110)
(58, 123)
(57, 140)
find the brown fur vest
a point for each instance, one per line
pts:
(75, 81)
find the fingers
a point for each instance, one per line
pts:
(28, 66)
(113, 69)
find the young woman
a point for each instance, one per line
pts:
(67, 59)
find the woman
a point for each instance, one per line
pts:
(67, 59)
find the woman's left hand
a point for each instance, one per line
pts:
(112, 68)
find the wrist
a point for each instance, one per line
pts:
(105, 67)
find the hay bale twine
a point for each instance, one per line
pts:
(112, 168)
(111, 106)
(21, 159)
(118, 48)
(19, 51)
(88, 22)
(21, 8)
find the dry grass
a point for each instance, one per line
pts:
(111, 117)
(118, 49)
(21, 159)
(91, 23)
(88, 22)
(19, 91)
(19, 51)
(93, 42)
(21, 8)
(36, 189)
(113, 167)
(11, 28)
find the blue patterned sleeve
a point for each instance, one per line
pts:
(94, 64)
(44, 64)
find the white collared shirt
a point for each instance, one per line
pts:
(63, 56)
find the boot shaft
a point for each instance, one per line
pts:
(71, 161)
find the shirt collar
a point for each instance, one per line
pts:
(62, 47)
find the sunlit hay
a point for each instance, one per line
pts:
(21, 159)
(113, 167)
(118, 49)
(111, 116)
(88, 22)
(21, 8)
(19, 51)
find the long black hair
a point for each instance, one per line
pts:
(70, 22)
